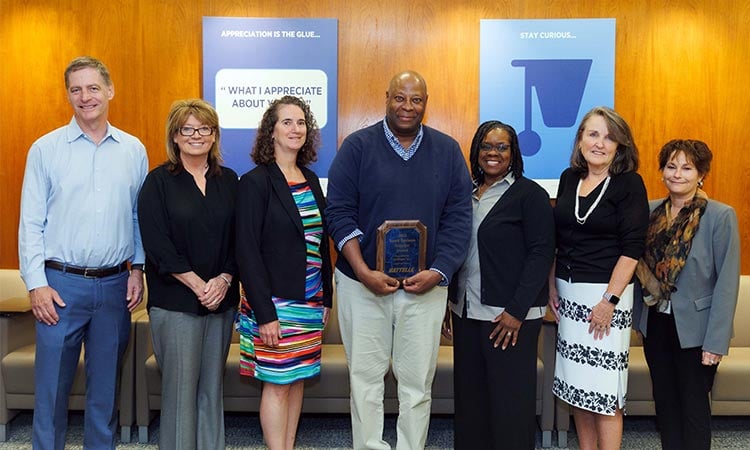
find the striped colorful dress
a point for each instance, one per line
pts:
(301, 320)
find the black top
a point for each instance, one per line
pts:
(516, 242)
(271, 247)
(617, 227)
(184, 230)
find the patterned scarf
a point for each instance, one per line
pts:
(667, 248)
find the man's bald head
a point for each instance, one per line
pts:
(407, 76)
(405, 104)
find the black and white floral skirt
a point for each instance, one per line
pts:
(592, 374)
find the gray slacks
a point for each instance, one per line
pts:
(191, 351)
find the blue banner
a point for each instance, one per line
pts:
(249, 62)
(541, 77)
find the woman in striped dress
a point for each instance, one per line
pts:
(284, 266)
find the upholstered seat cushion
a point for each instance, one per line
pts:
(734, 382)
(18, 371)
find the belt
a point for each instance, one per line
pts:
(88, 272)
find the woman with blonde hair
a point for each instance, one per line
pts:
(186, 215)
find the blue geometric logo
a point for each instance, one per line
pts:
(559, 84)
(541, 76)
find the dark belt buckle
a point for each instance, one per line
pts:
(89, 273)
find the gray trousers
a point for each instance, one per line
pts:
(191, 351)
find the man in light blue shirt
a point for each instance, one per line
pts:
(81, 256)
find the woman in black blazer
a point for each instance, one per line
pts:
(499, 297)
(284, 266)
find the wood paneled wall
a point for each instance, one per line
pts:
(681, 71)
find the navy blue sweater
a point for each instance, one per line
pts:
(369, 183)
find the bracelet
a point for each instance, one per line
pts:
(136, 267)
(229, 283)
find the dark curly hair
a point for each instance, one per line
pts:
(697, 152)
(516, 162)
(262, 152)
(626, 155)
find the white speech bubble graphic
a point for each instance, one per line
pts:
(243, 95)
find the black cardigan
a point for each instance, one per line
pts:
(588, 252)
(516, 243)
(271, 249)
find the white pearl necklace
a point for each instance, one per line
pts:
(580, 219)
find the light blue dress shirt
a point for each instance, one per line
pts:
(78, 202)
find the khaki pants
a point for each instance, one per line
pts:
(403, 328)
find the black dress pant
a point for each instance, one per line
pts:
(494, 389)
(681, 386)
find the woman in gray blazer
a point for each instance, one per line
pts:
(689, 278)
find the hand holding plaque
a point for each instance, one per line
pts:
(402, 248)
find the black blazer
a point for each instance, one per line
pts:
(516, 243)
(271, 251)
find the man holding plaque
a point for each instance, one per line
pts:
(399, 211)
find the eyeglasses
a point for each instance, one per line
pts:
(499, 147)
(190, 131)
